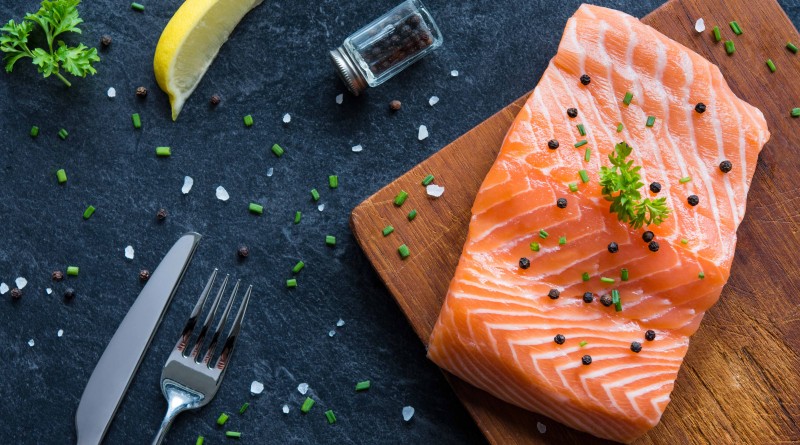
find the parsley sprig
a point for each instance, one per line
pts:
(621, 184)
(54, 18)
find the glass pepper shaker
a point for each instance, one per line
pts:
(378, 51)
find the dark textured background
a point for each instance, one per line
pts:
(275, 63)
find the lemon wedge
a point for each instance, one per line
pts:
(191, 41)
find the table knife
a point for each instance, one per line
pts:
(118, 364)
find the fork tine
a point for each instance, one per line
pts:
(233, 334)
(209, 319)
(192, 321)
(221, 325)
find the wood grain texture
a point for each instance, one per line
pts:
(740, 382)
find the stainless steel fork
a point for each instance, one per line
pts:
(188, 379)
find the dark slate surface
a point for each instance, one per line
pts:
(275, 63)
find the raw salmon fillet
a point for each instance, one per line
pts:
(497, 326)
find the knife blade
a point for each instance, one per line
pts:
(120, 360)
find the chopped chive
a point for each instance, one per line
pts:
(307, 404)
(686, 179)
(244, 408)
(298, 267)
(650, 121)
(248, 120)
(791, 47)
(581, 130)
(562, 240)
(543, 234)
(222, 419)
(584, 176)
(278, 150)
(616, 301)
(795, 112)
(684, 241)
(427, 180)
(330, 416)
(88, 212)
(258, 209)
(619, 127)
(628, 98)
(363, 386)
(729, 47)
(333, 181)
(736, 28)
(581, 143)
(403, 251)
(624, 275)
(583, 343)
(585, 276)
(587, 155)
(137, 120)
(314, 194)
(233, 434)
(412, 214)
(607, 280)
(73, 271)
(330, 240)
(200, 440)
(573, 186)
(290, 283)
(717, 34)
(535, 247)
(34, 131)
(163, 151)
(400, 198)
(387, 230)
(701, 275)
(61, 174)
(137, 6)
(62, 133)
(298, 215)
(771, 65)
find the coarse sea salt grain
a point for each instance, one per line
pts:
(21, 282)
(287, 118)
(129, 252)
(541, 427)
(256, 387)
(408, 413)
(3, 288)
(434, 190)
(31, 343)
(321, 207)
(454, 73)
(331, 333)
(340, 99)
(270, 171)
(188, 182)
(433, 100)
(49, 291)
(357, 148)
(285, 409)
(60, 333)
(700, 25)
(302, 388)
(423, 133)
(222, 194)
(340, 323)
(112, 92)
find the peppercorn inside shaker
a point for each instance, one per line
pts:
(388, 45)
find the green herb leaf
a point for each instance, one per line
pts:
(77, 60)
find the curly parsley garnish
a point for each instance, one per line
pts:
(621, 184)
(54, 18)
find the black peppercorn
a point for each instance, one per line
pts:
(636, 347)
(655, 187)
(561, 203)
(554, 294)
(144, 274)
(725, 166)
(69, 294)
(552, 144)
(572, 112)
(105, 41)
(215, 100)
(588, 297)
(613, 247)
(586, 359)
(161, 215)
(243, 251)
(606, 300)
(648, 236)
(559, 339)
(700, 107)
(16, 293)
(693, 200)
(653, 246)
(585, 79)
(141, 92)
(395, 105)
(524, 263)
(650, 335)
(58, 275)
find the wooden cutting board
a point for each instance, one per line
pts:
(740, 383)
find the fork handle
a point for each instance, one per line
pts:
(178, 401)
(163, 429)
